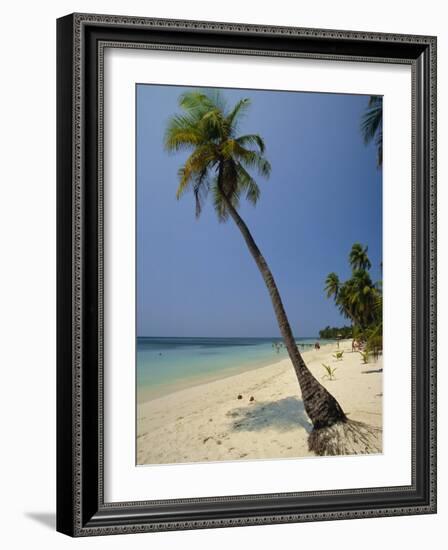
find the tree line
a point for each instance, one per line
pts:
(360, 300)
(332, 333)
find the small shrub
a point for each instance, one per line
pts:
(329, 372)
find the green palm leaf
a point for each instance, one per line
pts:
(332, 285)
(251, 140)
(248, 185)
(371, 125)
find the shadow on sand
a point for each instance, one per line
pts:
(284, 415)
(372, 371)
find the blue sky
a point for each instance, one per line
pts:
(195, 277)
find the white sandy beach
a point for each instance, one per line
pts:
(209, 423)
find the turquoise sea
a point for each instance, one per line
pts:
(165, 365)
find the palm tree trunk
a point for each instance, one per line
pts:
(321, 407)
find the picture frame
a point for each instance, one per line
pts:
(81, 506)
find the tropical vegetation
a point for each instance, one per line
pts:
(329, 372)
(334, 333)
(360, 300)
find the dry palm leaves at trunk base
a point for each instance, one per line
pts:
(346, 438)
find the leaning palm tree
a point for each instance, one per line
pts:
(372, 125)
(221, 161)
(358, 257)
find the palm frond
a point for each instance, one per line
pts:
(182, 133)
(237, 112)
(203, 111)
(199, 102)
(379, 148)
(213, 125)
(251, 159)
(378, 304)
(182, 139)
(358, 257)
(332, 285)
(185, 179)
(257, 162)
(199, 162)
(200, 190)
(371, 122)
(371, 125)
(251, 139)
(219, 202)
(375, 101)
(248, 185)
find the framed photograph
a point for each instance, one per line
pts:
(246, 274)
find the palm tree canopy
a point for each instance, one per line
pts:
(363, 297)
(358, 299)
(358, 257)
(332, 285)
(372, 125)
(220, 160)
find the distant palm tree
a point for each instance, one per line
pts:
(358, 298)
(363, 298)
(332, 285)
(344, 301)
(220, 161)
(372, 125)
(358, 257)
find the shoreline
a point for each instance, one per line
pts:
(207, 421)
(201, 380)
(149, 392)
(197, 380)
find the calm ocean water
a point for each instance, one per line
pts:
(167, 364)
